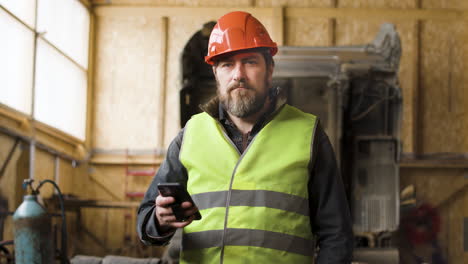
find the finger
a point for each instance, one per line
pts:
(164, 201)
(164, 211)
(191, 211)
(186, 205)
(184, 223)
(169, 220)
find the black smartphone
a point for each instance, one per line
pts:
(181, 195)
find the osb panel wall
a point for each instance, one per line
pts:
(294, 3)
(377, 3)
(68, 175)
(307, 31)
(127, 83)
(178, 3)
(357, 32)
(444, 61)
(446, 189)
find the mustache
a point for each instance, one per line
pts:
(238, 84)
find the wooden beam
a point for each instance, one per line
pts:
(434, 163)
(158, 11)
(122, 159)
(379, 13)
(11, 115)
(417, 100)
(332, 31)
(162, 85)
(90, 114)
(54, 141)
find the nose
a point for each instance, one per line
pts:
(239, 72)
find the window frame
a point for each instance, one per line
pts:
(15, 122)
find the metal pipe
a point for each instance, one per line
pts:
(56, 172)
(41, 146)
(32, 158)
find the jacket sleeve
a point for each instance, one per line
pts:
(171, 170)
(330, 216)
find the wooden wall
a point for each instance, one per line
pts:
(135, 85)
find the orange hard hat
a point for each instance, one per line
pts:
(238, 31)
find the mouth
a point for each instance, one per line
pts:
(240, 88)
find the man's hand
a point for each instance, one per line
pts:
(166, 218)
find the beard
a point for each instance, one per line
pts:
(242, 103)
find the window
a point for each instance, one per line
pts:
(16, 64)
(44, 61)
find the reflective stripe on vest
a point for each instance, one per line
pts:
(256, 203)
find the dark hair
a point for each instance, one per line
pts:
(267, 56)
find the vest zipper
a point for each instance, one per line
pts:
(228, 198)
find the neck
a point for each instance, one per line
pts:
(245, 124)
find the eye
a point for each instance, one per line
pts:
(226, 64)
(252, 62)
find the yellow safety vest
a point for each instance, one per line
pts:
(254, 206)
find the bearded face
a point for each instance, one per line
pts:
(242, 102)
(243, 81)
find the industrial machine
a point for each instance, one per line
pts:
(354, 90)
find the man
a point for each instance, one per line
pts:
(262, 173)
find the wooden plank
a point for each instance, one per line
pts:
(163, 85)
(90, 115)
(376, 4)
(332, 31)
(378, 13)
(172, 3)
(434, 163)
(21, 120)
(120, 159)
(108, 182)
(207, 12)
(416, 103)
(294, 3)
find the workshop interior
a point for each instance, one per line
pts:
(92, 92)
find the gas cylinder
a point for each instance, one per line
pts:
(33, 233)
